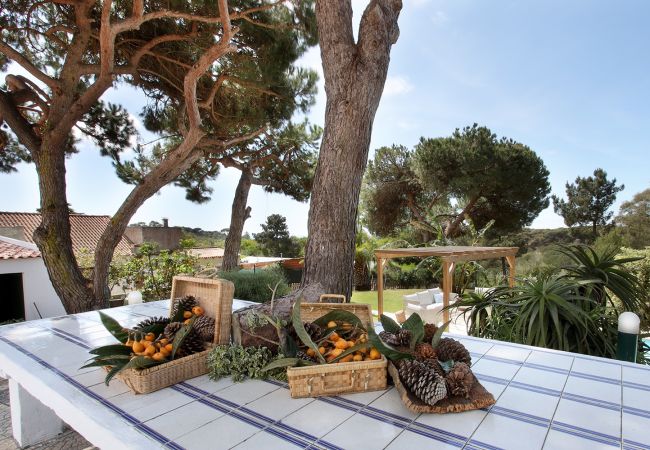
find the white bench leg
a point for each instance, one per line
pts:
(32, 422)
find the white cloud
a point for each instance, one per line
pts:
(397, 85)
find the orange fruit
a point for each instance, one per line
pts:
(149, 337)
(169, 347)
(158, 356)
(164, 341)
(351, 343)
(357, 358)
(187, 314)
(348, 358)
(149, 351)
(138, 347)
(336, 352)
(331, 324)
(322, 350)
(374, 354)
(165, 352)
(334, 337)
(311, 352)
(197, 311)
(187, 321)
(341, 343)
(129, 343)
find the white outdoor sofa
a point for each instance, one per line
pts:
(428, 304)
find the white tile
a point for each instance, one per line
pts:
(461, 424)
(556, 440)
(266, 441)
(493, 388)
(392, 403)
(317, 418)
(247, 391)
(225, 432)
(115, 387)
(179, 421)
(558, 361)
(145, 408)
(636, 428)
(363, 432)
(597, 368)
(210, 386)
(278, 404)
(495, 369)
(594, 389)
(363, 398)
(409, 439)
(636, 398)
(639, 375)
(507, 352)
(541, 378)
(508, 433)
(534, 403)
(91, 377)
(589, 417)
(473, 346)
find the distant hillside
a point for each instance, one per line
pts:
(530, 239)
(204, 238)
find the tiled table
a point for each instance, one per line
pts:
(545, 399)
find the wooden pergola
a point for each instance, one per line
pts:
(450, 256)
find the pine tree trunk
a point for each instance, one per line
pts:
(240, 212)
(355, 74)
(53, 234)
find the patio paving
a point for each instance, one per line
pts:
(68, 440)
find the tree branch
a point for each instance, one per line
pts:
(26, 64)
(20, 126)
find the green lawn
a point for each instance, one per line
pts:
(393, 300)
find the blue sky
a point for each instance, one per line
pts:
(569, 79)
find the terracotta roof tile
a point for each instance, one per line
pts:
(14, 251)
(85, 230)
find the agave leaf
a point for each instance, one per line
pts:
(389, 324)
(181, 335)
(113, 349)
(385, 349)
(113, 327)
(436, 337)
(339, 315)
(283, 362)
(415, 325)
(349, 351)
(296, 320)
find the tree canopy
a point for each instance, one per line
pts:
(444, 181)
(588, 201)
(275, 239)
(634, 217)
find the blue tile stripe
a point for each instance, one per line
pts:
(632, 445)
(123, 414)
(636, 412)
(473, 444)
(586, 434)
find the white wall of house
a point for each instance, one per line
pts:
(37, 287)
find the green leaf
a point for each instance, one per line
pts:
(389, 324)
(155, 328)
(304, 362)
(288, 345)
(340, 315)
(116, 361)
(436, 337)
(181, 335)
(447, 365)
(415, 325)
(113, 327)
(296, 320)
(140, 362)
(349, 351)
(279, 363)
(113, 349)
(111, 373)
(386, 350)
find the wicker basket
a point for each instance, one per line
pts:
(333, 379)
(215, 297)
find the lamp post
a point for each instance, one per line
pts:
(628, 336)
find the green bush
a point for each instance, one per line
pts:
(256, 285)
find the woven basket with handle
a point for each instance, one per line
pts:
(339, 378)
(215, 297)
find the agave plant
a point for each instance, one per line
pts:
(606, 276)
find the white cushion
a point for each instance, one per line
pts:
(411, 298)
(425, 298)
(435, 291)
(438, 298)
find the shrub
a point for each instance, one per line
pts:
(256, 285)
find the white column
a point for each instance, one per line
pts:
(32, 422)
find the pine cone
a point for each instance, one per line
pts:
(304, 356)
(460, 380)
(204, 326)
(422, 381)
(434, 364)
(151, 321)
(430, 330)
(390, 339)
(451, 350)
(314, 331)
(183, 304)
(191, 344)
(404, 337)
(424, 351)
(171, 329)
